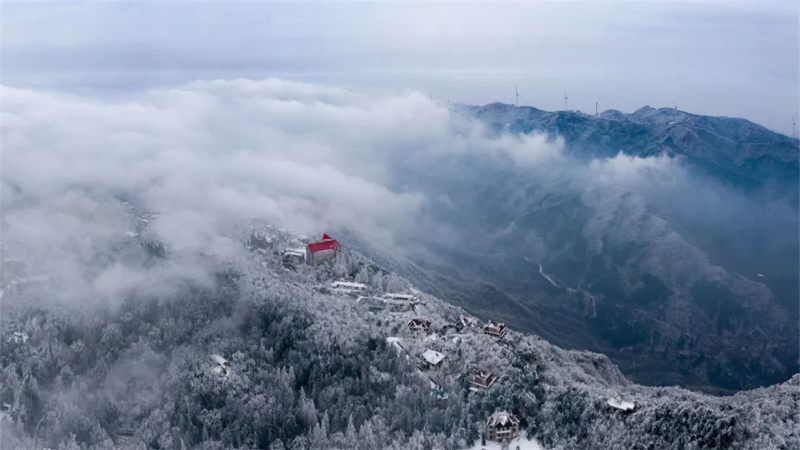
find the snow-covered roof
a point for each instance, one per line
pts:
(396, 296)
(502, 418)
(295, 252)
(484, 379)
(495, 325)
(419, 323)
(466, 321)
(620, 404)
(432, 357)
(220, 360)
(348, 285)
(394, 340)
(19, 337)
(495, 328)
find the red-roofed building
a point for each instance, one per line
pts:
(496, 329)
(483, 380)
(322, 250)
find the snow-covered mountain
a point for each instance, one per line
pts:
(672, 239)
(736, 150)
(140, 311)
(297, 364)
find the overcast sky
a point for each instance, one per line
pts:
(731, 59)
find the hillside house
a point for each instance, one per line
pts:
(502, 426)
(325, 249)
(347, 287)
(220, 361)
(482, 380)
(432, 359)
(419, 325)
(621, 405)
(220, 366)
(373, 304)
(18, 337)
(400, 297)
(495, 329)
(294, 256)
(466, 322)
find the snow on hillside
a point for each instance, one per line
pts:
(308, 366)
(521, 443)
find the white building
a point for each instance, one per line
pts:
(18, 337)
(347, 287)
(621, 405)
(433, 359)
(400, 297)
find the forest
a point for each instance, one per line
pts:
(310, 368)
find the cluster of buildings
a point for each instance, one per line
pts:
(493, 329)
(314, 252)
(500, 426)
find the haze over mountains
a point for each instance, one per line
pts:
(667, 240)
(664, 239)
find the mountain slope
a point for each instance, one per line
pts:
(672, 237)
(310, 368)
(736, 150)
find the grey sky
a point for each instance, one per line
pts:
(730, 59)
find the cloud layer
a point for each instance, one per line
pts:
(739, 60)
(207, 157)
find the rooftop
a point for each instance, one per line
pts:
(432, 357)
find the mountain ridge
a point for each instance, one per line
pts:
(701, 238)
(278, 325)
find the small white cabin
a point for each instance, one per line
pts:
(621, 405)
(347, 285)
(220, 361)
(433, 359)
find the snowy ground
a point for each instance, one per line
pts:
(522, 443)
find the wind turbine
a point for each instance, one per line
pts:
(596, 109)
(565, 101)
(675, 106)
(516, 91)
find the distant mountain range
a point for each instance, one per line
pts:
(687, 276)
(732, 149)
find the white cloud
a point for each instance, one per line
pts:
(633, 171)
(210, 155)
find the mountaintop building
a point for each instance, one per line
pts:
(325, 249)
